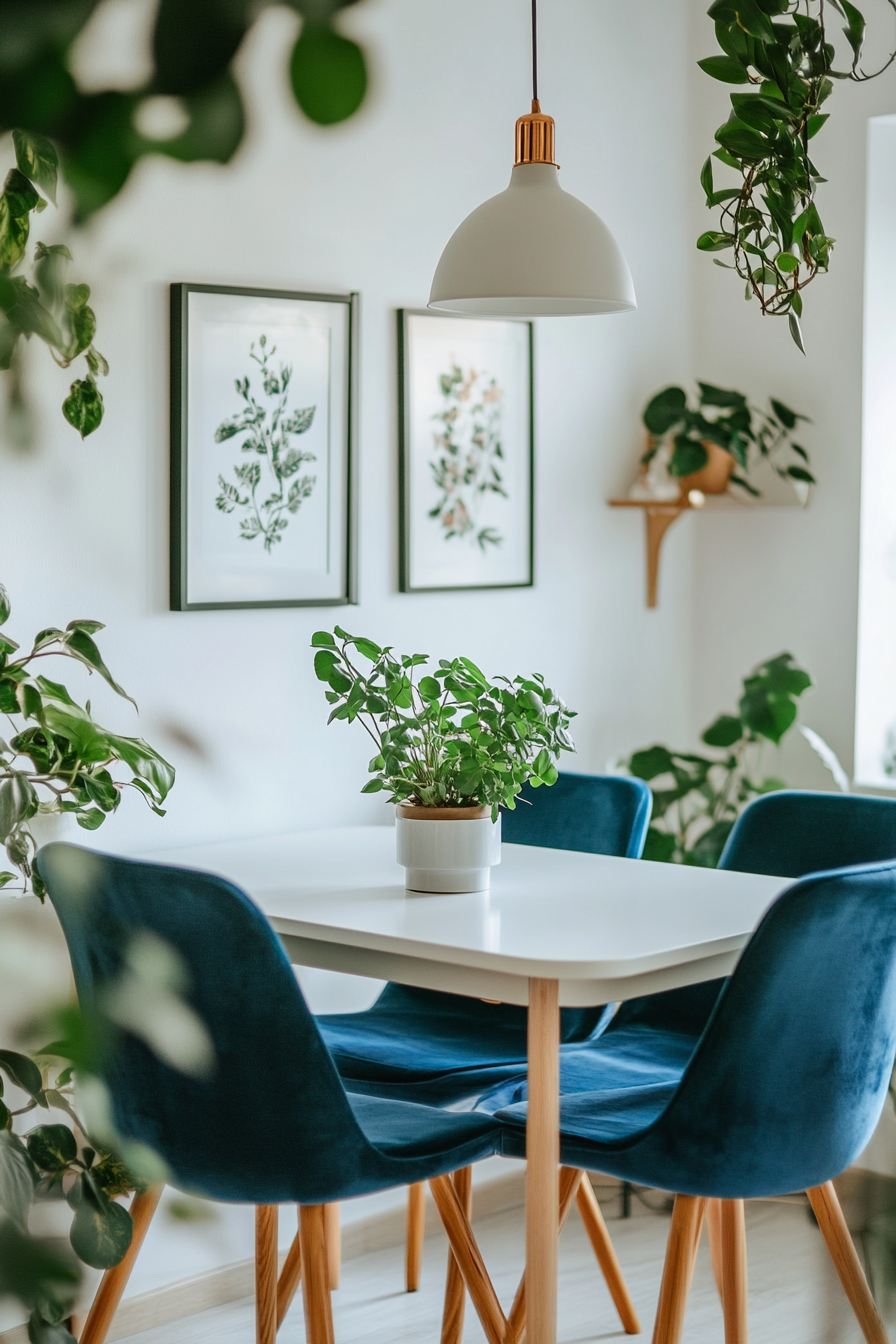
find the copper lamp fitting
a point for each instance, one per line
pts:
(535, 137)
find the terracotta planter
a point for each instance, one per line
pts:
(714, 477)
(447, 849)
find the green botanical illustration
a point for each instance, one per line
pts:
(268, 431)
(469, 453)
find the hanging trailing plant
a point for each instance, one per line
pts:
(770, 222)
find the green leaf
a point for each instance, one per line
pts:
(768, 704)
(706, 179)
(787, 263)
(322, 639)
(51, 1147)
(742, 142)
(665, 410)
(324, 664)
(725, 68)
(687, 457)
(723, 732)
(796, 331)
(38, 1273)
(368, 649)
(90, 820)
(83, 407)
(815, 123)
(720, 396)
(5, 607)
(659, 846)
(650, 762)
(373, 786)
(80, 644)
(17, 1179)
(801, 474)
(145, 762)
(22, 1071)
(783, 413)
(37, 160)
(855, 27)
(429, 688)
(18, 802)
(714, 241)
(101, 1230)
(328, 74)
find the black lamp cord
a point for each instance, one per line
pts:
(534, 51)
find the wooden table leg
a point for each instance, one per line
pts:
(543, 1159)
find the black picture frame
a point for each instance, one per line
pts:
(183, 595)
(410, 572)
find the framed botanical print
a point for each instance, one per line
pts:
(263, 451)
(466, 452)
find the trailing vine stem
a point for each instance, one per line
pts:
(770, 222)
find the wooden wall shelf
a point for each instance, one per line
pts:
(660, 514)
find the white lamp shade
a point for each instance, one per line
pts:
(532, 251)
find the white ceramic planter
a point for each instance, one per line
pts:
(447, 849)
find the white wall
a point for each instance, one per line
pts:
(781, 579)
(368, 206)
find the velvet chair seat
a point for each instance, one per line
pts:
(441, 1049)
(778, 1095)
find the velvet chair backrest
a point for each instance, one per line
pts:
(786, 834)
(779, 1095)
(795, 832)
(271, 1121)
(598, 814)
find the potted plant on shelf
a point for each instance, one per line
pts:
(707, 438)
(452, 749)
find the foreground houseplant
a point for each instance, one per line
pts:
(59, 758)
(452, 748)
(694, 812)
(725, 419)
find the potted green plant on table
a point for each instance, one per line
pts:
(708, 437)
(452, 749)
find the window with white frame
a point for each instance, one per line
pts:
(875, 762)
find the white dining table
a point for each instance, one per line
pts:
(556, 929)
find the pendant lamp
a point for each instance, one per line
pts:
(533, 250)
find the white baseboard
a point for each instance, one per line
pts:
(231, 1282)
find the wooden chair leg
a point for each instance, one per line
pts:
(826, 1207)
(416, 1227)
(570, 1179)
(265, 1273)
(734, 1270)
(114, 1281)
(677, 1270)
(591, 1216)
(455, 1292)
(714, 1229)
(334, 1244)
(469, 1259)
(290, 1275)
(315, 1276)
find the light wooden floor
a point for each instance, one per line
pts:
(794, 1297)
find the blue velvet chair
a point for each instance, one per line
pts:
(790, 833)
(444, 1049)
(271, 1122)
(782, 1093)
